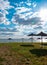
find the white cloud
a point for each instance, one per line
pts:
(7, 22)
(15, 35)
(25, 15)
(26, 12)
(23, 12)
(21, 2)
(16, 4)
(35, 14)
(24, 28)
(4, 6)
(3, 28)
(22, 9)
(14, 20)
(34, 4)
(3, 19)
(28, 3)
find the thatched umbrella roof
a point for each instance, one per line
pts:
(32, 34)
(9, 38)
(41, 34)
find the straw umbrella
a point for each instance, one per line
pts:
(32, 36)
(41, 34)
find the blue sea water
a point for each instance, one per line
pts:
(21, 40)
(14, 40)
(34, 39)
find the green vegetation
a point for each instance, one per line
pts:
(23, 53)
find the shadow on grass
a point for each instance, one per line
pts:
(39, 52)
(27, 45)
(45, 44)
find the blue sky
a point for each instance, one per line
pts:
(18, 18)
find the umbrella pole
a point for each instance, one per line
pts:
(32, 39)
(22, 40)
(41, 42)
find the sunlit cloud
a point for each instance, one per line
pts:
(18, 18)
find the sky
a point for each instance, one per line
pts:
(18, 18)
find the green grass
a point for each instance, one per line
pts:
(31, 53)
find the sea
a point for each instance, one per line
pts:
(35, 39)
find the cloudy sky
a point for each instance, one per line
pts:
(19, 18)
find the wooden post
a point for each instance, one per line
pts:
(41, 42)
(22, 40)
(32, 38)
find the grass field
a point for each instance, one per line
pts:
(23, 53)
